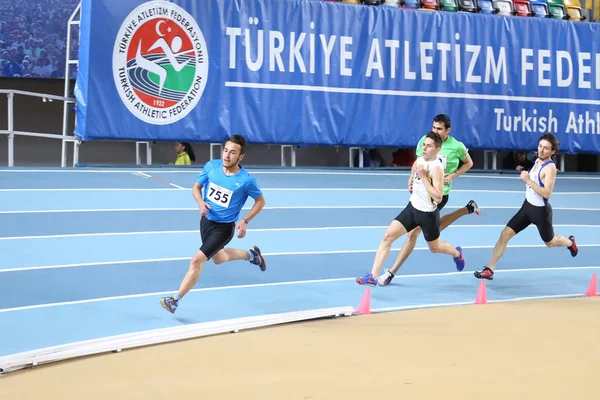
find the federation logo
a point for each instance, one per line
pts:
(160, 62)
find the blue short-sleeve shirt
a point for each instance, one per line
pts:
(226, 194)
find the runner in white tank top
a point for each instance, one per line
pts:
(421, 211)
(420, 198)
(535, 209)
(535, 175)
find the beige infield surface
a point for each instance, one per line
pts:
(546, 349)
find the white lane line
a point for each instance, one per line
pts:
(195, 231)
(290, 253)
(260, 285)
(318, 207)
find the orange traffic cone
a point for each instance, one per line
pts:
(365, 304)
(593, 287)
(481, 294)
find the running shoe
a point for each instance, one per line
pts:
(460, 260)
(485, 273)
(258, 258)
(367, 280)
(473, 207)
(573, 249)
(170, 304)
(386, 278)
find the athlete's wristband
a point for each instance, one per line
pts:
(245, 220)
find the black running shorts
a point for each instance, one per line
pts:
(541, 217)
(215, 236)
(443, 202)
(429, 222)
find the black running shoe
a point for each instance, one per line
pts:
(573, 249)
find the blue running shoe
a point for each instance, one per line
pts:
(170, 304)
(460, 260)
(258, 258)
(367, 280)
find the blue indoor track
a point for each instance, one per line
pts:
(88, 253)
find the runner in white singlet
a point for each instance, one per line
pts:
(535, 176)
(420, 198)
(535, 209)
(421, 211)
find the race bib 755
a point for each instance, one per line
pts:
(219, 195)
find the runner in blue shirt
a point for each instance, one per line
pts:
(221, 190)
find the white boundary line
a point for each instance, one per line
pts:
(291, 253)
(361, 189)
(464, 303)
(117, 343)
(195, 231)
(93, 190)
(493, 175)
(398, 207)
(405, 93)
(145, 175)
(260, 285)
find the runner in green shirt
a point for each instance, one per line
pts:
(452, 152)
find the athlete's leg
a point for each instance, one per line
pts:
(393, 232)
(542, 218)
(437, 246)
(253, 255)
(559, 241)
(215, 236)
(406, 221)
(430, 223)
(488, 271)
(517, 223)
(500, 247)
(449, 218)
(445, 221)
(193, 274)
(406, 250)
(226, 255)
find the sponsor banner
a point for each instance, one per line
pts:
(320, 73)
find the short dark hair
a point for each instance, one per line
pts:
(552, 139)
(435, 137)
(443, 118)
(239, 139)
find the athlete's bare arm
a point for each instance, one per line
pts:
(548, 177)
(412, 176)
(197, 193)
(467, 165)
(259, 203)
(435, 190)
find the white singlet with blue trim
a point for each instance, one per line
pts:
(420, 198)
(535, 175)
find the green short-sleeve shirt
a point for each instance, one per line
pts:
(452, 152)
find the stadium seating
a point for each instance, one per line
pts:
(571, 10)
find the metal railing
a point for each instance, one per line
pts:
(68, 62)
(11, 132)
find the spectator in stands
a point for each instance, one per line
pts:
(36, 31)
(403, 157)
(517, 160)
(372, 158)
(377, 159)
(26, 69)
(185, 154)
(12, 67)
